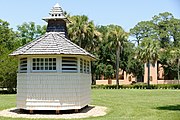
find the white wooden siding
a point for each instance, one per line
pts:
(53, 91)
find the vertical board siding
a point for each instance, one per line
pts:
(53, 91)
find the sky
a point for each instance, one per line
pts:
(126, 13)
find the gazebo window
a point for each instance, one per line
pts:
(69, 64)
(88, 67)
(23, 65)
(44, 64)
(84, 66)
(81, 66)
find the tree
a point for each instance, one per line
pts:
(148, 52)
(8, 72)
(130, 63)
(117, 37)
(175, 52)
(7, 37)
(109, 71)
(175, 31)
(166, 29)
(100, 69)
(142, 30)
(30, 31)
(82, 31)
(8, 65)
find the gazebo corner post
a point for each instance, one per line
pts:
(28, 64)
(59, 64)
(78, 65)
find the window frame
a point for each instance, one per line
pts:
(44, 64)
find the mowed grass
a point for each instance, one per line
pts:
(126, 104)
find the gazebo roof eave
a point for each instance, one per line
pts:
(92, 57)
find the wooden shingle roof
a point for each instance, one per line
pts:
(51, 43)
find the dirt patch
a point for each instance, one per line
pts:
(90, 111)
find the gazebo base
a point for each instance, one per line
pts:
(53, 91)
(30, 111)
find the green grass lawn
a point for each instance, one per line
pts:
(126, 104)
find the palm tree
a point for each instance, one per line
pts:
(83, 32)
(77, 28)
(117, 36)
(148, 52)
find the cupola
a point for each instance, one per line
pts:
(57, 20)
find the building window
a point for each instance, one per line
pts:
(44, 64)
(81, 66)
(69, 65)
(23, 65)
(84, 66)
(151, 78)
(129, 78)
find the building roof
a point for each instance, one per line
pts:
(51, 43)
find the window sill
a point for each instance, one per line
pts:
(43, 71)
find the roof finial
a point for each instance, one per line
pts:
(57, 5)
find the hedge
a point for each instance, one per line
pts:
(138, 86)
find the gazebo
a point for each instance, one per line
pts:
(53, 72)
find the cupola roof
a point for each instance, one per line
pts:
(56, 13)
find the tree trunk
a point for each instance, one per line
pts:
(148, 82)
(93, 79)
(117, 66)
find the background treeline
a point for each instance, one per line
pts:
(149, 41)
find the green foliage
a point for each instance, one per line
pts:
(7, 37)
(109, 71)
(116, 38)
(83, 32)
(137, 86)
(30, 31)
(166, 29)
(169, 61)
(143, 29)
(8, 65)
(8, 68)
(148, 50)
(136, 67)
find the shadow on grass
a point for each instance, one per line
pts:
(170, 107)
(51, 112)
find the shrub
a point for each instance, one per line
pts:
(138, 86)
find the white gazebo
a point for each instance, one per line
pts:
(53, 73)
